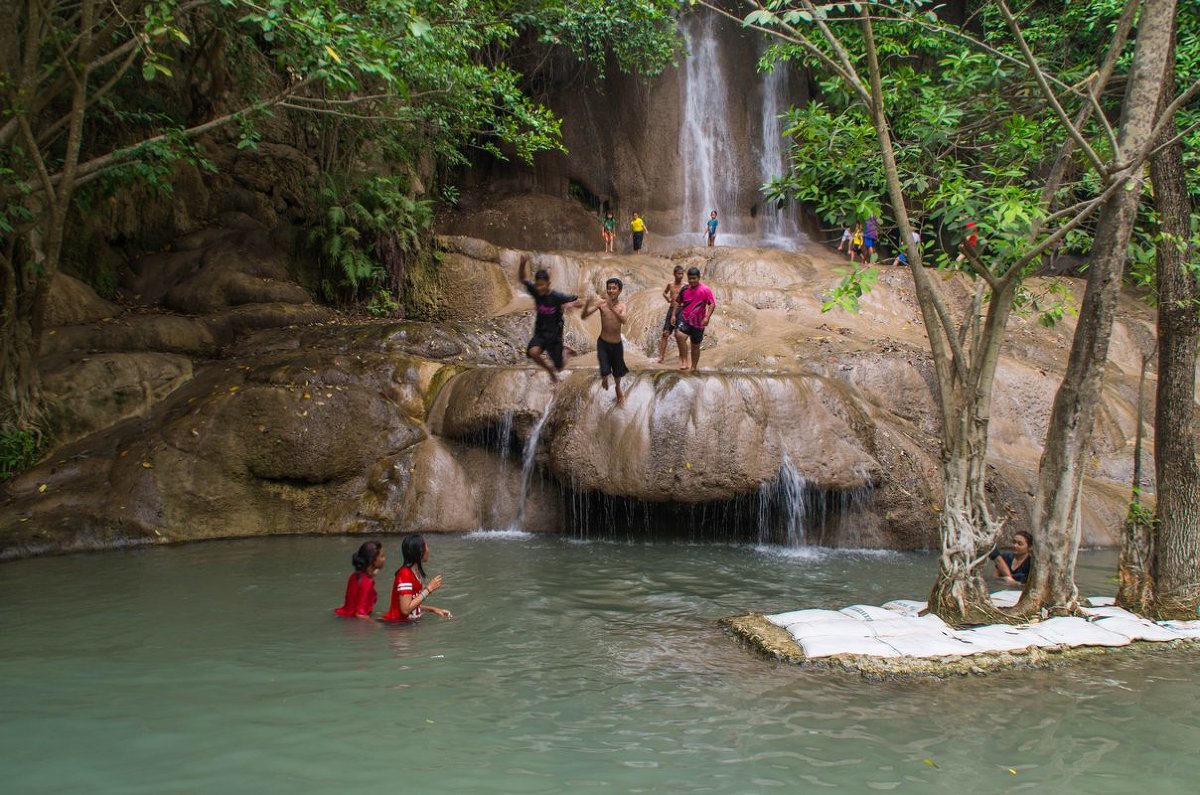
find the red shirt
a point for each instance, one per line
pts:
(406, 583)
(360, 596)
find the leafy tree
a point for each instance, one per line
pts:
(92, 89)
(1030, 174)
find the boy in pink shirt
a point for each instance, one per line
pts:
(696, 303)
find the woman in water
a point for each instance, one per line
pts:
(408, 593)
(360, 590)
(1013, 567)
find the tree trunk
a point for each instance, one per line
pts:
(20, 385)
(1051, 586)
(1176, 561)
(968, 533)
(1135, 586)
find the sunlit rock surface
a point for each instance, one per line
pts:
(801, 426)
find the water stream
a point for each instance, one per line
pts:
(529, 463)
(589, 667)
(707, 147)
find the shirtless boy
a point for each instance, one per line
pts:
(696, 304)
(609, 348)
(548, 322)
(669, 293)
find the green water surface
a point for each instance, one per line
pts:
(582, 667)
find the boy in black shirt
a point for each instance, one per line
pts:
(548, 322)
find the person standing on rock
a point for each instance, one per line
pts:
(711, 223)
(637, 228)
(548, 322)
(695, 303)
(608, 230)
(870, 239)
(670, 293)
(609, 349)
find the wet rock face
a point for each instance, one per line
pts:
(800, 425)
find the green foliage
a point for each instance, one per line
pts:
(18, 451)
(856, 282)
(365, 237)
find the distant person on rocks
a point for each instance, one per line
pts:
(902, 258)
(360, 589)
(870, 238)
(608, 230)
(548, 322)
(637, 227)
(712, 228)
(856, 243)
(609, 349)
(695, 304)
(408, 591)
(1013, 567)
(844, 243)
(670, 292)
(970, 242)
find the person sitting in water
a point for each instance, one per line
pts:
(360, 590)
(408, 593)
(1013, 567)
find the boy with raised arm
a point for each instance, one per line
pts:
(669, 293)
(610, 351)
(696, 303)
(548, 320)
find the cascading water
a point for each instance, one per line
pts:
(707, 147)
(778, 224)
(528, 462)
(784, 507)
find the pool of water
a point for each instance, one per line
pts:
(588, 666)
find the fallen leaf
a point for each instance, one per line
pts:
(41, 488)
(147, 465)
(932, 764)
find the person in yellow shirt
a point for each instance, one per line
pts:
(638, 227)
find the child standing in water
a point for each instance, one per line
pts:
(670, 292)
(712, 228)
(360, 589)
(608, 230)
(548, 323)
(637, 228)
(609, 348)
(408, 593)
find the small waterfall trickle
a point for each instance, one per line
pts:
(784, 508)
(528, 462)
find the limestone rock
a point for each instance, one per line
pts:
(70, 301)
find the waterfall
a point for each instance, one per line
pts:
(707, 155)
(779, 223)
(783, 507)
(528, 462)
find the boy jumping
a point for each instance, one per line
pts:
(548, 322)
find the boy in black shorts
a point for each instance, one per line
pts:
(610, 351)
(548, 322)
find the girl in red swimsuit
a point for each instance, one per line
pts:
(360, 590)
(408, 592)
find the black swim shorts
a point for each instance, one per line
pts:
(612, 358)
(667, 324)
(696, 335)
(550, 345)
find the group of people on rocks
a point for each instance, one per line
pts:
(860, 242)
(637, 230)
(689, 308)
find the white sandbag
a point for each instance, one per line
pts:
(902, 626)
(1000, 638)
(1183, 629)
(930, 621)
(907, 607)
(1005, 598)
(800, 616)
(1073, 632)
(848, 628)
(1136, 628)
(1101, 601)
(868, 613)
(931, 645)
(830, 645)
(1108, 612)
